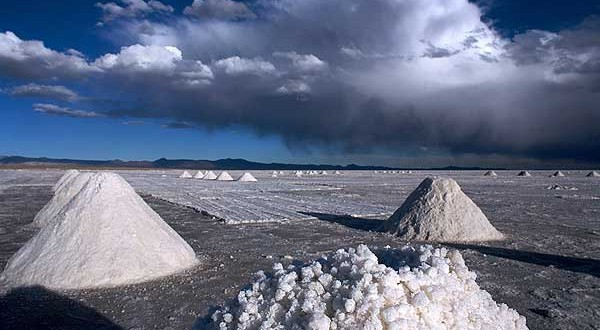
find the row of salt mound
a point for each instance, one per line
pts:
(105, 236)
(406, 288)
(223, 176)
(555, 174)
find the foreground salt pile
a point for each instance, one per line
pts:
(438, 210)
(69, 174)
(105, 236)
(490, 173)
(524, 173)
(224, 176)
(558, 174)
(185, 175)
(61, 198)
(210, 176)
(593, 174)
(408, 288)
(199, 175)
(247, 177)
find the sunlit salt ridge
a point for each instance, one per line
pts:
(407, 288)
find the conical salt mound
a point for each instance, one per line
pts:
(185, 175)
(61, 198)
(524, 173)
(105, 236)
(199, 175)
(210, 176)
(490, 173)
(438, 210)
(70, 174)
(224, 176)
(593, 174)
(247, 177)
(558, 173)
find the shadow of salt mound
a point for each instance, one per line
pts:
(36, 307)
(579, 265)
(349, 221)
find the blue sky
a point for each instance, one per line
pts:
(263, 81)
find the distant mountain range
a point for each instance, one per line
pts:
(163, 163)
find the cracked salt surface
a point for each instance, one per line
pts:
(548, 268)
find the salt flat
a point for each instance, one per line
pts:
(548, 268)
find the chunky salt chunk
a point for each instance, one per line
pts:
(425, 288)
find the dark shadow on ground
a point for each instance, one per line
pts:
(349, 221)
(35, 308)
(579, 265)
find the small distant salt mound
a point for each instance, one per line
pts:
(407, 288)
(524, 173)
(247, 177)
(210, 176)
(224, 176)
(438, 210)
(281, 172)
(185, 175)
(61, 197)
(593, 174)
(69, 174)
(199, 175)
(274, 175)
(558, 174)
(105, 236)
(337, 173)
(298, 173)
(324, 173)
(490, 173)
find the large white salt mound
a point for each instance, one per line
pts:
(69, 174)
(408, 288)
(593, 174)
(438, 210)
(558, 174)
(105, 236)
(247, 177)
(224, 176)
(490, 173)
(199, 175)
(524, 173)
(61, 197)
(185, 175)
(210, 176)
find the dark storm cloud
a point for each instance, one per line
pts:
(220, 9)
(354, 75)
